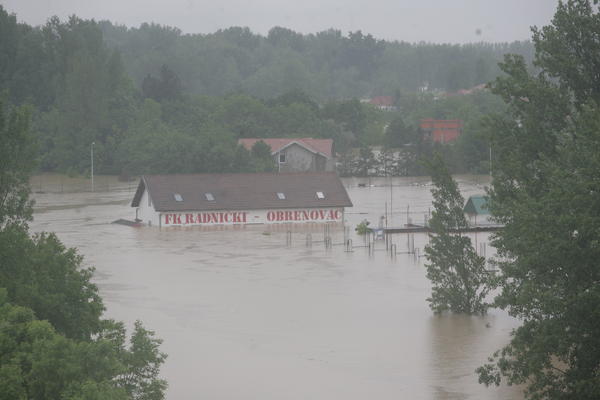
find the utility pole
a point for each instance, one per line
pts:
(490, 160)
(391, 201)
(92, 158)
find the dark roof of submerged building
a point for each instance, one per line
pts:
(194, 192)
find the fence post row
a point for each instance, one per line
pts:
(349, 247)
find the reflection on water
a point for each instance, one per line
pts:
(243, 316)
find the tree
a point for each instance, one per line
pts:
(398, 133)
(38, 363)
(73, 353)
(41, 274)
(262, 159)
(142, 365)
(545, 190)
(350, 114)
(460, 282)
(166, 87)
(365, 162)
(17, 160)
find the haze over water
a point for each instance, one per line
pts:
(243, 316)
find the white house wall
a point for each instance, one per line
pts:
(146, 213)
(297, 159)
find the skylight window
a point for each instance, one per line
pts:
(209, 196)
(320, 195)
(281, 196)
(177, 197)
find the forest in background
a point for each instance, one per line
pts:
(327, 65)
(154, 100)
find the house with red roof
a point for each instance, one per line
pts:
(298, 154)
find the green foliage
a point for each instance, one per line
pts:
(398, 133)
(166, 87)
(17, 155)
(262, 160)
(53, 342)
(350, 114)
(546, 191)
(91, 99)
(36, 362)
(326, 65)
(460, 282)
(76, 74)
(142, 365)
(41, 274)
(365, 162)
(362, 228)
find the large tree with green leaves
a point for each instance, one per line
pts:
(547, 193)
(460, 281)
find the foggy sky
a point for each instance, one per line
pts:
(439, 21)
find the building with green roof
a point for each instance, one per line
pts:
(477, 206)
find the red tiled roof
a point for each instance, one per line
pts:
(431, 123)
(243, 191)
(323, 146)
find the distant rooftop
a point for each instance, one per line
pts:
(383, 101)
(322, 146)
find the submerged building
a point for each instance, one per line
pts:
(233, 199)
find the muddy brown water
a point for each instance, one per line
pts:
(244, 316)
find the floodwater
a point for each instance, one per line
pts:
(244, 315)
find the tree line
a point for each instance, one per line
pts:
(327, 65)
(155, 101)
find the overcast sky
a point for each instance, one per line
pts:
(454, 21)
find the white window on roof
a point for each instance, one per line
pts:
(177, 197)
(282, 158)
(281, 196)
(320, 195)
(209, 196)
